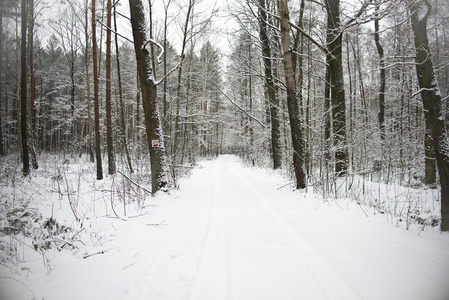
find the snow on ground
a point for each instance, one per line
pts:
(229, 232)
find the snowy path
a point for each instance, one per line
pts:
(250, 251)
(229, 233)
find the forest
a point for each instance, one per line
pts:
(332, 93)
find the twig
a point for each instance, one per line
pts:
(137, 216)
(156, 224)
(95, 253)
(285, 185)
(133, 182)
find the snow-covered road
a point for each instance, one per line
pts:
(230, 232)
(251, 252)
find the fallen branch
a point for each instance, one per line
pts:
(95, 253)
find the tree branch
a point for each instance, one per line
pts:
(159, 57)
(246, 113)
(171, 71)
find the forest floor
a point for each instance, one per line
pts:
(229, 232)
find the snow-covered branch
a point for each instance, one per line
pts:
(170, 72)
(159, 57)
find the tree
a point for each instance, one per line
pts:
(270, 89)
(32, 86)
(148, 85)
(122, 109)
(431, 98)
(380, 51)
(336, 81)
(109, 135)
(23, 91)
(293, 111)
(96, 97)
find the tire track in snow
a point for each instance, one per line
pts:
(333, 285)
(213, 257)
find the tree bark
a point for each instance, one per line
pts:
(270, 89)
(2, 151)
(334, 46)
(32, 86)
(96, 97)
(159, 167)
(293, 111)
(87, 81)
(431, 97)
(109, 135)
(23, 93)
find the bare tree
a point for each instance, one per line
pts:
(270, 88)
(155, 139)
(109, 135)
(431, 97)
(96, 96)
(293, 111)
(23, 91)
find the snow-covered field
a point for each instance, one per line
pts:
(229, 232)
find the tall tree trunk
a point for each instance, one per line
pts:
(2, 150)
(293, 111)
(96, 97)
(23, 93)
(109, 134)
(122, 108)
(159, 167)
(270, 89)
(87, 81)
(178, 91)
(380, 52)
(431, 97)
(32, 86)
(334, 46)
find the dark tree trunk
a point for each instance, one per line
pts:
(96, 97)
(334, 46)
(293, 111)
(86, 63)
(431, 97)
(270, 89)
(23, 93)
(159, 168)
(2, 150)
(380, 52)
(109, 135)
(32, 86)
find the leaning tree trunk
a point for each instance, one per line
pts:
(293, 111)
(270, 89)
(431, 97)
(23, 93)
(159, 168)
